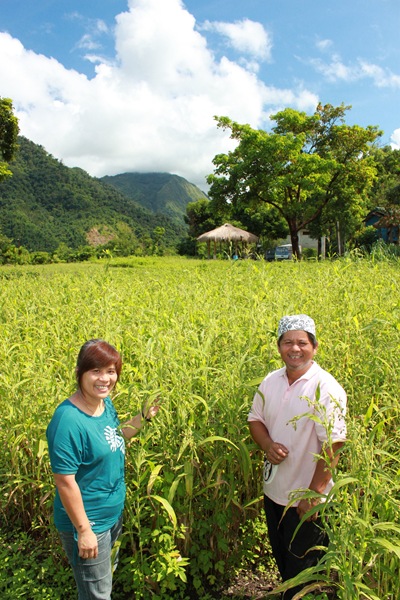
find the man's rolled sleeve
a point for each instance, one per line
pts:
(257, 408)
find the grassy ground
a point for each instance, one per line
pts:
(202, 333)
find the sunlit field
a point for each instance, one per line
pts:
(201, 334)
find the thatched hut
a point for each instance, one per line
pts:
(227, 233)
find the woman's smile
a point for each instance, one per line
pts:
(96, 384)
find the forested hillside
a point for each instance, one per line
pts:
(46, 203)
(159, 192)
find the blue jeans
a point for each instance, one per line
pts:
(93, 576)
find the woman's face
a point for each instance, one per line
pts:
(98, 383)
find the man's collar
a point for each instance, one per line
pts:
(307, 375)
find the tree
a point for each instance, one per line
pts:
(386, 189)
(200, 217)
(124, 241)
(262, 220)
(307, 166)
(8, 136)
(158, 245)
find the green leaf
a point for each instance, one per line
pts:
(168, 508)
(217, 438)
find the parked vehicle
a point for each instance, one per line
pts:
(284, 252)
(270, 254)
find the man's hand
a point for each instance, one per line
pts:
(276, 453)
(305, 505)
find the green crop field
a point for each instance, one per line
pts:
(201, 334)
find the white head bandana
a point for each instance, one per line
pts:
(296, 323)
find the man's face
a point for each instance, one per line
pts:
(296, 350)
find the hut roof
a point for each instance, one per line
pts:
(227, 232)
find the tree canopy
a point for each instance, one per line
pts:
(8, 136)
(309, 168)
(387, 186)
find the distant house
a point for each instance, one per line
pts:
(386, 222)
(373, 216)
(305, 241)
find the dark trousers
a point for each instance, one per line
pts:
(292, 556)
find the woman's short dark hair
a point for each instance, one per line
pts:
(97, 354)
(310, 336)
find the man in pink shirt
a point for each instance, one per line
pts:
(297, 419)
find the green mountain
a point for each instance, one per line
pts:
(46, 203)
(161, 193)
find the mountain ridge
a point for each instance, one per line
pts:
(45, 203)
(161, 192)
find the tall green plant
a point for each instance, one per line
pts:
(201, 334)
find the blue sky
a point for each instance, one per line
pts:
(133, 85)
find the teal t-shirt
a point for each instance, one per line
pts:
(92, 449)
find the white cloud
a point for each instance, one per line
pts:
(336, 70)
(151, 107)
(324, 45)
(244, 36)
(395, 139)
(381, 77)
(88, 43)
(92, 40)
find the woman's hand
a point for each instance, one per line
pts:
(134, 425)
(151, 411)
(71, 498)
(87, 544)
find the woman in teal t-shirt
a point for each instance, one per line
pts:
(87, 455)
